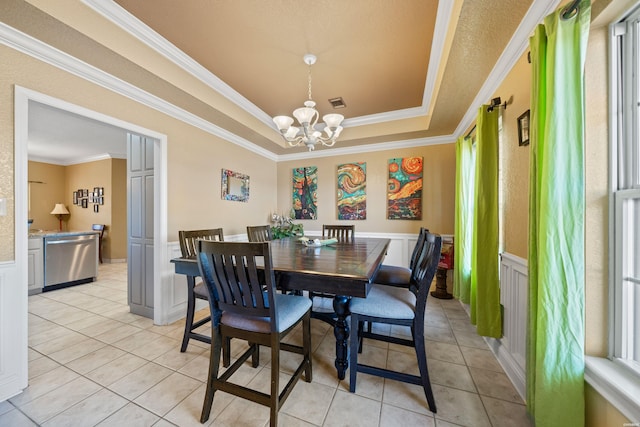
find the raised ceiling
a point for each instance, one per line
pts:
(406, 70)
(410, 71)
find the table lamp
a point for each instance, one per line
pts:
(60, 210)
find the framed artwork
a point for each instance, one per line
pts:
(305, 192)
(352, 191)
(100, 192)
(101, 200)
(75, 197)
(523, 129)
(95, 208)
(404, 189)
(85, 203)
(85, 193)
(235, 186)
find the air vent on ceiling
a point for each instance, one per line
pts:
(337, 102)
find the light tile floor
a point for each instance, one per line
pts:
(91, 362)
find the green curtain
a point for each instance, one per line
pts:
(555, 347)
(485, 287)
(465, 169)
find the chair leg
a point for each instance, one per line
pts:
(214, 364)
(226, 352)
(191, 307)
(421, 354)
(275, 377)
(306, 343)
(255, 357)
(353, 353)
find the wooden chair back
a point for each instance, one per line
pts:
(425, 271)
(241, 277)
(343, 233)
(259, 233)
(188, 240)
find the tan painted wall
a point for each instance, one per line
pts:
(514, 160)
(45, 196)
(87, 176)
(438, 190)
(195, 158)
(115, 245)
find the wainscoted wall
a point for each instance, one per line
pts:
(511, 348)
(399, 252)
(13, 324)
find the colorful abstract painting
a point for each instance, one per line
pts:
(404, 193)
(305, 192)
(352, 191)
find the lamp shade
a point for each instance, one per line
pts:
(59, 209)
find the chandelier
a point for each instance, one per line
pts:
(307, 117)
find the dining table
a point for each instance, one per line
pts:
(343, 269)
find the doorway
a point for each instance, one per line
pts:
(22, 98)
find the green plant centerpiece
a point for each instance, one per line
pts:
(283, 226)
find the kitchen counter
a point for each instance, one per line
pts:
(55, 233)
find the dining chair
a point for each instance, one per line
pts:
(394, 275)
(343, 233)
(100, 228)
(242, 309)
(259, 233)
(322, 308)
(397, 306)
(189, 248)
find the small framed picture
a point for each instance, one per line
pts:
(96, 208)
(95, 189)
(100, 192)
(79, 193)
(523, 129)
(85, 203)
(85, 193)
(101, 200)
(75, 197)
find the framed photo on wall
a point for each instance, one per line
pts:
(75, 197)
(523, 128)
(85, 203)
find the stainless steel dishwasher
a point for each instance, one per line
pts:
(70, 259)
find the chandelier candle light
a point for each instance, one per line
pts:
(307, 117)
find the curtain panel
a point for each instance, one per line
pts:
(485, 287)
(463, 232)
(555, 346)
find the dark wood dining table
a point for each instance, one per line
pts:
(343, 269)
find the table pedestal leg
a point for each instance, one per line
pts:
(341, 332)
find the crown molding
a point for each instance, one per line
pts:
(382, 146)
(28, 45)
(48, 54)
(515, 48)
(77, 160)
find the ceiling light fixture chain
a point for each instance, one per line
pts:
(307, 117)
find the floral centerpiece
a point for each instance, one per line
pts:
(283, 226)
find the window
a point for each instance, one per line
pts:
(625, 193)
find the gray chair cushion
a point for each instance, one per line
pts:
(393, 275)
(290, 308)
(385, 301)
